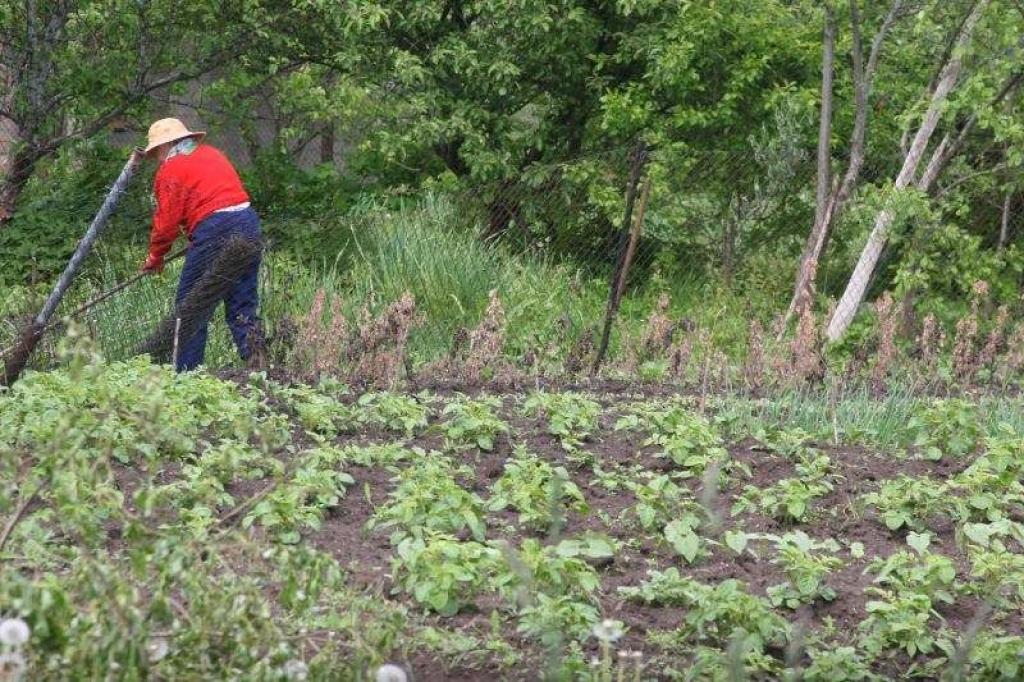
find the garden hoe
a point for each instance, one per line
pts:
(20, 353)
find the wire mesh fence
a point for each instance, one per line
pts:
(584, 213)
(633, 219)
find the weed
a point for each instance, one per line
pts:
(945, 427)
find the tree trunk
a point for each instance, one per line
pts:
(327, 144)
(828, 58)
(818, 238)
(1004, 227)
(858, 284)
(18, 172)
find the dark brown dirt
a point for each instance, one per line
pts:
(840, 515)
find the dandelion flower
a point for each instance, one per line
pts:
(157, 648)
(14, 632)
(389, 672)
(295, 669)
(608, 630)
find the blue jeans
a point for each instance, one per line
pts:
(242, 300)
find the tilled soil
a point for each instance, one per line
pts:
(840, 515)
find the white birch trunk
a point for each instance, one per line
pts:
(858, 284)
(820, 232)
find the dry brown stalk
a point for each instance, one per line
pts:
(996, 338)
(928, 343)
(888, 322)
(805, 358)
(965, 358)
(657, 336)
(379, 353)
(1013, 362)
(320, 342)
(486, 343)
(679, 357)
(580, 352)
(754, 365)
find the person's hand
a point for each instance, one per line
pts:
(153, 265)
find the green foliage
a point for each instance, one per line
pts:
(907, 501)
(473, 422)
(658, 500)
(381, 454)
(571, 417)
(998, 575)
(945, 427)
(552, 618)
(427, 498)
(996, 657)
(790, 498)
(686, 438)
(299, 502)
(442, 573)
(540, 492)
(838, 664)
(931, 575)
(559, 569)
(713, 613)
(322, 414)
(807, 563)
(399, 413)
(903, 620)
(682, 534)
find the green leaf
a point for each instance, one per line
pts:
(919, 541)
(683, 540)
(979, 533)
(736, 540)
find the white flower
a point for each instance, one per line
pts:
(389, 672)
(14, 632)
(157, 648)
(295, 669)
(12, 666)
(608, 630)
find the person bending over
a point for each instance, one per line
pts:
(199, 195)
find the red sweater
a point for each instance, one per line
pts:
(188, 188)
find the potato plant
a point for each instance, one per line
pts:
(192, 527)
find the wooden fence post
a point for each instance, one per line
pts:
(629, 237)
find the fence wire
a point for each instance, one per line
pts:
(702, 211)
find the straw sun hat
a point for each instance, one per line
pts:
(169, 130)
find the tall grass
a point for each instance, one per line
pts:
(855, 416)
(425, 247)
